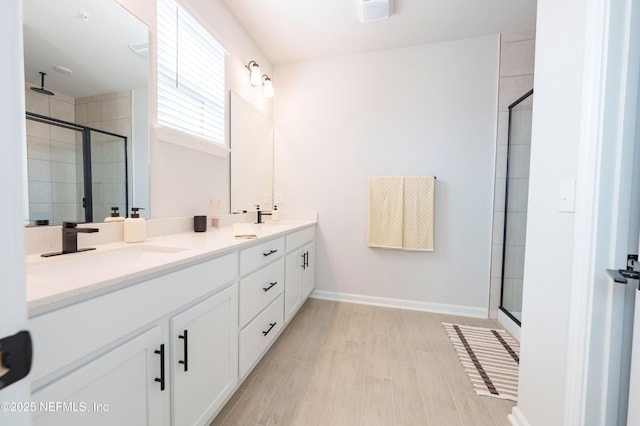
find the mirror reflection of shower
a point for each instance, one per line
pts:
(76, 173)
(516, 205)
(41, 89)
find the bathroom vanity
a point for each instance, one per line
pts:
(162, 332)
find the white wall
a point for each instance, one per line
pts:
(425, 110)
(183, 180)
(549, 250)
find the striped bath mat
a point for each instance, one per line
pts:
(490, 358)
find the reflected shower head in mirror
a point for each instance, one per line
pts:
(41, 89)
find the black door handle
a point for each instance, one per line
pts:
(161, 379)
(270, 252)
(15, 354)
(621, 275)
(185, 345)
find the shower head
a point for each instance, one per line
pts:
(41, 89)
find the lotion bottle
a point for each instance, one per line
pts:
(115, 216)
(134, 227)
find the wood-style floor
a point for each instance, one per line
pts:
(348, 364)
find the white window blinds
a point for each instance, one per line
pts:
(190, 75)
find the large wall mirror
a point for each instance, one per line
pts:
(88, 117)
(251, 136)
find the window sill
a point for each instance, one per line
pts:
(189, 141)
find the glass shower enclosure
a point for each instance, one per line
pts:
(516, 203)
(75, 173)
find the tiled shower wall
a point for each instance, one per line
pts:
(110, 112)
(52, 159)
(517, 52)
(54, 155)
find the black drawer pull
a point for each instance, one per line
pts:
(270, 328)
(161, 379)
(269, 253)
(270, 286)
(185, 337)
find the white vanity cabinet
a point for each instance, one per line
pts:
(168, 345)
(109, 350)
(117, 388)
(261, 300)
(299, 278)
(204, 357)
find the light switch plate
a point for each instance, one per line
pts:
(278, 199)
(567, 196)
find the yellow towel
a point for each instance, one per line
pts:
(385, 211)
(418, 213)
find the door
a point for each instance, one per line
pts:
(308, 270)
(13, 310)
(118, 388)
(293, 283)
(607, 215)
(633, 412)
(204, 360)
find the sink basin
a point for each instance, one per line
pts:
(99, 262)
(271, 227)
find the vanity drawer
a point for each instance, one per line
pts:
(259, 289)
(254, 257)
(299, 238)
(258, 335)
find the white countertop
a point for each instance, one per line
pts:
(58, 281)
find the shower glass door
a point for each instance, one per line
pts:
(516, 200)
(75, 173)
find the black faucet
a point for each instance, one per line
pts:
(70, 239)
(261, 213)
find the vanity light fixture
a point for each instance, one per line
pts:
(254, 73)
(267, 86)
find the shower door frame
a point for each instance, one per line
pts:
(506, 211)
(87, 201)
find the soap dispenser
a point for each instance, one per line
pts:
(115, 216)
(134, 227)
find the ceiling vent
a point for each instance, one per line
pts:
(375, 10)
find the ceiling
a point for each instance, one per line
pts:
(298, 30)
(96, 49)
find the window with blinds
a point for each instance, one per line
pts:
(190, 75)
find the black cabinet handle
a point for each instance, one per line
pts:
(270, 252)
(161, 379)
(306, 259)
(303, 265)
(270, 328)
(185, 344)
(270, 286)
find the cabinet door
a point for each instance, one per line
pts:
(292, 284)
(204, 357)
(308, 270)
(117, 388)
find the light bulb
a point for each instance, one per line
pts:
(268, 87)
(255, 77)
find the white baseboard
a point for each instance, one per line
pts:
(440, 308)
(509, 324)
(517, 418)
